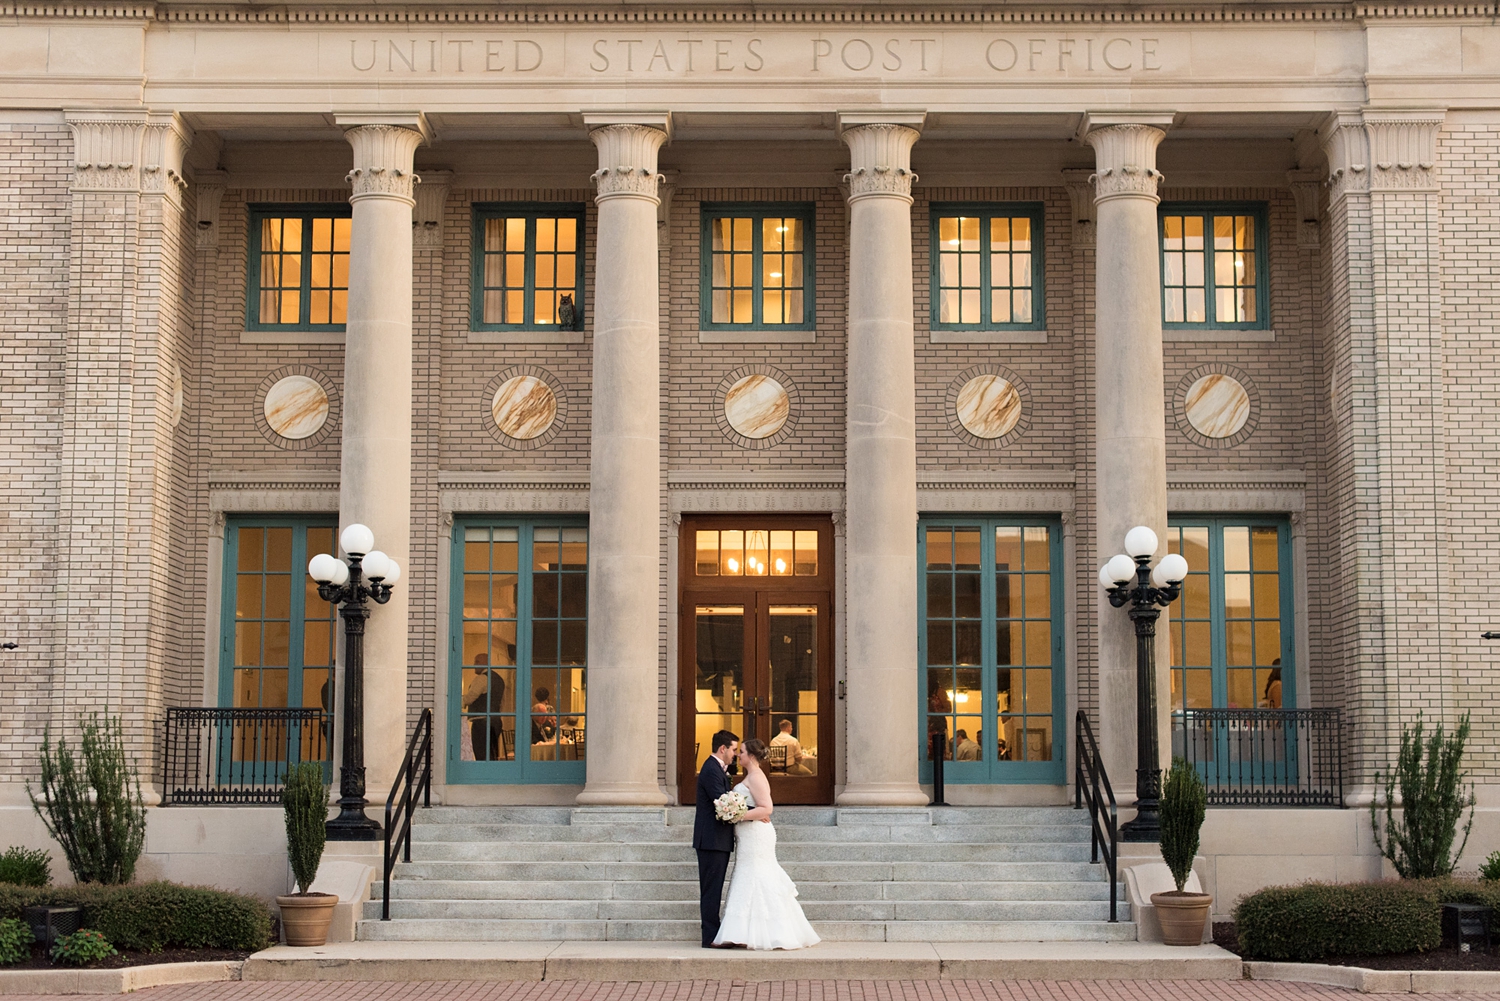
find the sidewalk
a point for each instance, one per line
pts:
(683, 961)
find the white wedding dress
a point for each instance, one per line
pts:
(762, 912)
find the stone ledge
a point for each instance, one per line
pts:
(123, 981)
(1368, 981)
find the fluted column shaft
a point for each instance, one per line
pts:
(882, 746)
(375, 472)
(1131, 449)
(624, 474)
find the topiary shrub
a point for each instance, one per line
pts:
(87, 805)
(82, 947)
(149, 917)
(1309, 922)
(1183, 804)
(304, 797)
(15, 941)
(1433, 800)
(26, 867)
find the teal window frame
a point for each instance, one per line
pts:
(307, 213)
(531, 212)
(757, 212)
(1206, 210)
(1218, 620)
(1036, 212)
(521, 770)
(989, 770)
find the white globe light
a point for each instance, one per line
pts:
(1140, 541)
(321, 568)
(1173, 568)
(341, 574)
(376, 564)
(1157, 580)
(392, 572)
(1121, 568)
(1105, 580)
(357, 540)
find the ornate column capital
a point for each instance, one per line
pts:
(164, 143)
(1347, 147)
(1079, 183)
(1125, 153)
(628, 146)
(106, 149)
(1403, 147)
(384, 149)
(1307, 190)
(880, 153)
(427, 220)
(209, 185)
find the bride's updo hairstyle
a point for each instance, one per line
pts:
(756, 748)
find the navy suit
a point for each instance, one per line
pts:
(713, 840)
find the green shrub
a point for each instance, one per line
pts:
(153, 916)
(26, 868)
(304, 797)
(87, 805)
(83, 946)
(1433, 800)
(1491, 867)
(1308, 922)
(1183, 800)
(15, 941)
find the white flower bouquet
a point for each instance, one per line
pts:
(731, 806)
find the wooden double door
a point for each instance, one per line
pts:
(756, 646)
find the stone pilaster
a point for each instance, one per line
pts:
(881, 749)
(1386, 451)
(1130, 415)
(128, 328)
(625, 468)
(375, 464)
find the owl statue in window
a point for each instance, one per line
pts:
(567, 313)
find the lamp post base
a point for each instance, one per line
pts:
(1145, 826)
(357, 827)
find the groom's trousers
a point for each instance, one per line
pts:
(711, 869)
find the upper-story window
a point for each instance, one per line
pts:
(1213, 266)
(987, 266)
(528, 267)
(757, 267)
(299, 267)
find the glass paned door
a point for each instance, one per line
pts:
(991, 675)
(756, 648)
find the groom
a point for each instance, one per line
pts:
(712, 838)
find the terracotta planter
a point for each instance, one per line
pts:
(1183, 916)
(305, 917)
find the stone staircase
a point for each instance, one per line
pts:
(949, 874)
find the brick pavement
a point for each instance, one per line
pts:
(791, 990)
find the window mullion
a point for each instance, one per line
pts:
(989, 682)
(757, 264)
(525, 569)
(297, 628)
(528, 281)
(1210, 261)
(304, 310)
(1219, 656)
(986, 300)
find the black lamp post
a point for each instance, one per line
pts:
(1130, 580)
(343, 584)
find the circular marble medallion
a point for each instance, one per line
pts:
(756, 406)
(988, 406)
(524, 407)
(296, 407)
(1217, 405)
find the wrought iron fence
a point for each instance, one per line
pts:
(239, 756)
(1264, 757)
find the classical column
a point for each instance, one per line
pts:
(375, 469)
(882, 749)
(1130, 486)
(625, 468)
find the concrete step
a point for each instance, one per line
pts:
(687, 910)
(444, 889)
(481, 930)
(787, 854)
(434, 833)
(800, 872)
(826, 816)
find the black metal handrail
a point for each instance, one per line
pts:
(1264, 757)
(1091, 786)
(224, 756)
(399, 804)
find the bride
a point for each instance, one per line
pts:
(762, 912)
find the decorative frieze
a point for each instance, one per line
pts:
(1125, 155)
(880, 160)
(383, 156)
(1403, 149)
(627, 160)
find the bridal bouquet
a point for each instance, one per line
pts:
(731, 806)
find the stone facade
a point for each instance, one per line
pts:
(129, 422)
